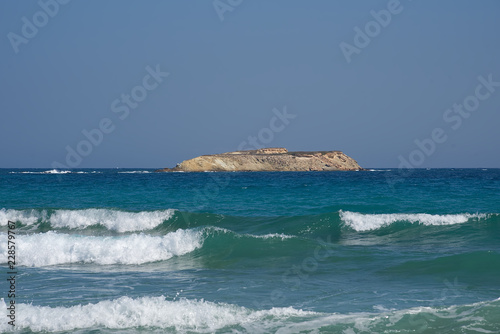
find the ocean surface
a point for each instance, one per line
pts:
(133, 251)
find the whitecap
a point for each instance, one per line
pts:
(120, 221)
(365, 222)
(150, 312)
(200, 316)
(52, 248)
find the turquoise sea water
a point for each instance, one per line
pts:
(380, 251)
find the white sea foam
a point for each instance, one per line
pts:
(222, 230)
(365, 222)
(51, 171)
(135, 172)
(121, 221)
(51, 248)
(27, 217)
(458, 316)
(150, 312)
(56, 171)
(200, 316)
(281, 236)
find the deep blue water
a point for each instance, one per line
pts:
(105, 250)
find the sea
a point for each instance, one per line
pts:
(134, 251)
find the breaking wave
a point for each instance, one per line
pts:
(120, 221)
(366, 222)
(52, 248)
(185, 315)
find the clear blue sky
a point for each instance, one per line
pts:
(75, 70)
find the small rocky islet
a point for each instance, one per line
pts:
(268, 160)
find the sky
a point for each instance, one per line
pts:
(122, 83)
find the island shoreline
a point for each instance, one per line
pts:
(268, 160)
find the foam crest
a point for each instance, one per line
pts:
(51, 171)
(271, 236)
(365, 222)
(51, 248)
(222, 230)
(150, 312)
(200, 316)
(56, 171)
(120, 221)
(415, 319)
(27, 217)
(135, 172)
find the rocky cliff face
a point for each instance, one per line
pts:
(267, 160)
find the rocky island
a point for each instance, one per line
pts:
(268, 160)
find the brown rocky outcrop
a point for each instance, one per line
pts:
(267, 160)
